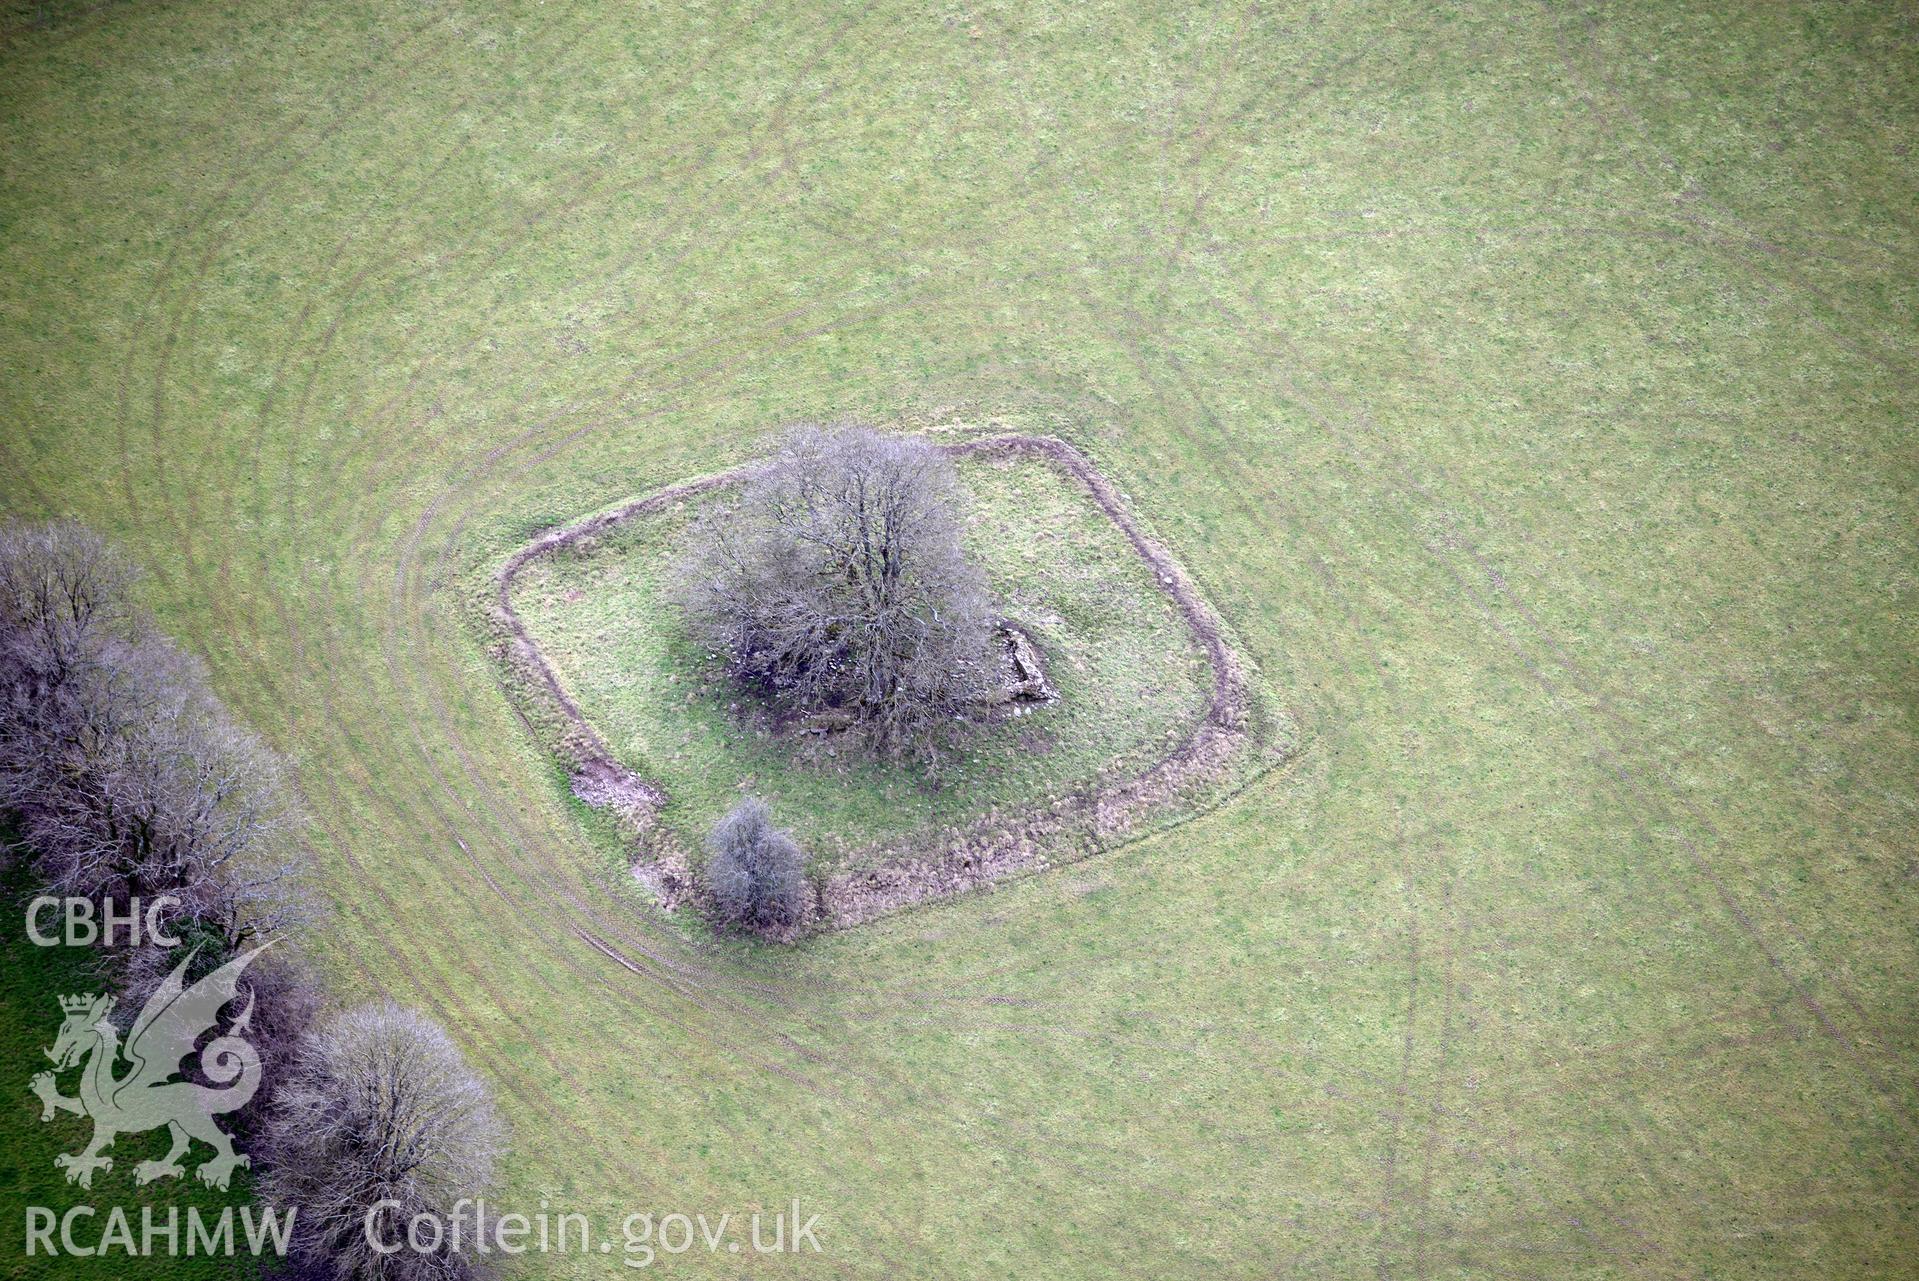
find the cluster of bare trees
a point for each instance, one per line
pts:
(837, 585)
(123, 772)
(127, 779)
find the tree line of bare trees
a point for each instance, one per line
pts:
(125, 775)
(126, 778)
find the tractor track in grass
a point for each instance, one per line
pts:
(626, 961)
(1409, 1017)
(186, 539)
(53, 32)
(1760, 254)
(345, 848)
(682, 211)
(471, 970)
(1757, 253)
(1465, 588)
(1730, 904)
(1634, 788)
(175, 324)
(284, 619)
(511, 871)
(1386, 1205)
(496, 454)
(1388, 1198)
(1435, 1101)
(559, 203)
(1497, 580)
(1036, 193)
(1377, 665)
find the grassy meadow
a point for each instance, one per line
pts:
(1530, 388)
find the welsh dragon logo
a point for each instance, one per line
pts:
(145, 1096)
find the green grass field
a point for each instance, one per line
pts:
(1530, 388)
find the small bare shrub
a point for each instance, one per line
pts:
(755, 869)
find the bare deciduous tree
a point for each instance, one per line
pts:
(754, 869)
(182, 802)
(64, 595)
(381, 1108)
(66, 628)
(837, 583)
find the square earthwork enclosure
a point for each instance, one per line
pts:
(1156, 714)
